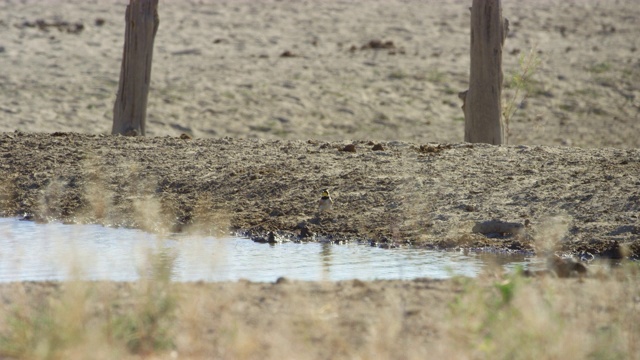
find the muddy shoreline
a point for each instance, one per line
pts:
(583, 201)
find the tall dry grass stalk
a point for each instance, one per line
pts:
(7, 195)
(150, 326)
(78, 319)
(137, 202)
(550, 318)
(519, 87)
(550, 233)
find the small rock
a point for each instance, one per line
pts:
(306, 233)
(276, 212)
(378, 147)
(378, 44)
(498, 227)
(349, 148)
(469, 208)
(259, 240)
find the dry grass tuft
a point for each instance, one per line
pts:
(523, 318)
(495, 316)
(549, 234)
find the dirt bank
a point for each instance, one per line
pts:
(432, 195)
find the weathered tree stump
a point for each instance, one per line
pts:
(482, 104)
(130, 109)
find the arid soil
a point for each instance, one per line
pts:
(433, 195)
(300, 70)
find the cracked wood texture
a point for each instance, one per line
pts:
(130, 108)
(482, 103)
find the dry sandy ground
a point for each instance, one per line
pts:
(218, 72)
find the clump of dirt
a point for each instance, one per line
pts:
(61, 25)
(377, 44)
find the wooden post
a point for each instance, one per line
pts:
(482, 104)
(130, 109)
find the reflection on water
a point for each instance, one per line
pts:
(30, 251)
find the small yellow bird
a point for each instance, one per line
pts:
(325, 203)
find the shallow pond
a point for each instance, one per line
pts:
(54, 251)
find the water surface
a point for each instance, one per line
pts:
(54, 251)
